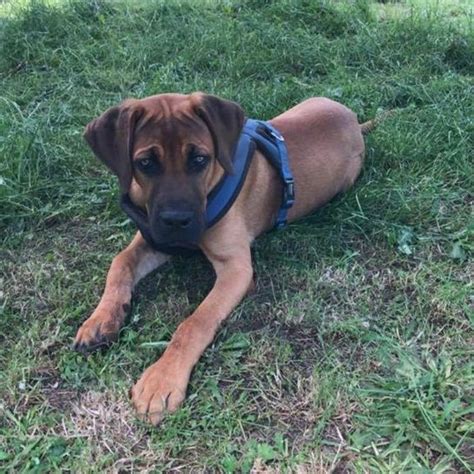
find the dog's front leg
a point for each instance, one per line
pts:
(127, 268)
(162, 386)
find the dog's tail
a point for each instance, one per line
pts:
(371, 125)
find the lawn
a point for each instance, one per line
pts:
(355, 352)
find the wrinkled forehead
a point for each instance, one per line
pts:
(171, 123)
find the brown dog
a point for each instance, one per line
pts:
(168, 151)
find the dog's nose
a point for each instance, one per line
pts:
(176, 219)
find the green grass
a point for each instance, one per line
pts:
(354, 354)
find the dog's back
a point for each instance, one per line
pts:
(326, 150)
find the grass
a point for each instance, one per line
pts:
(355, 352)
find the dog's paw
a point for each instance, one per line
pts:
(100, 330)
(160, 389)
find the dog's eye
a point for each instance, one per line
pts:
(197, 162)
(147, 165)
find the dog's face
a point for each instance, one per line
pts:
(168, 151)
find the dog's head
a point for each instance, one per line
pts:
(168, 151)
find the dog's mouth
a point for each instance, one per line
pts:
(160, 241)
(175, 240)
(175, 247)
(180, 244)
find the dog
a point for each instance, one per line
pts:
(168, 152)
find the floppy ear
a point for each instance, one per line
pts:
(111, 138)
(224, 119)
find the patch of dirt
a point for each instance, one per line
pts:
(51, 389)
(322, 462)
(304, 343)
(108, 423)
(467, 452)
(294, 408)
(61, 237)
(45, 388)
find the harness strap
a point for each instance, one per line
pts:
(273, 146)
(225, 192)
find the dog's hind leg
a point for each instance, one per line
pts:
(128, 267)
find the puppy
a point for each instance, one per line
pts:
(170, 152)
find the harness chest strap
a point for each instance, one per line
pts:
(255, 134)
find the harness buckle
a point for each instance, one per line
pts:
(276, 135)
(288, 193)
